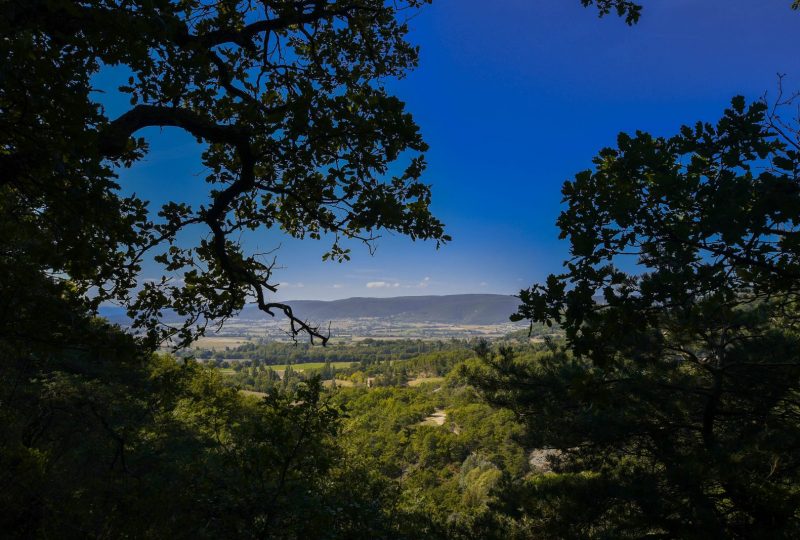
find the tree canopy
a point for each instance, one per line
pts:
(710, 218)
(673, 406)
(289, 99)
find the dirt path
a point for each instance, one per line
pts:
(436, 419)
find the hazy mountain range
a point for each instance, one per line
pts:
(474, 309)
(450, 309)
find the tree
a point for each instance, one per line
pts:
(288, 97)
(631, 11)
(100, 437)
(675, 406)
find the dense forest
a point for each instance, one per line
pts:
(665, 405)
(367, 350)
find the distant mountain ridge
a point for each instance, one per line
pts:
(478, 309)
(470, 309)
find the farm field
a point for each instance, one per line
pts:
(252, 393)
(339, 383)
(280, 368)
(220, 343)
(310, 365)
(423, 380)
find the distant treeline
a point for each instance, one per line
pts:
(367, 351)
(258, 376)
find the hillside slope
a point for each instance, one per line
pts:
(477, 309)
(471, 309)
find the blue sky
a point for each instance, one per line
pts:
(514, 97)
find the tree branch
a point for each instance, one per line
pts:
(114, 139)
(243, 36)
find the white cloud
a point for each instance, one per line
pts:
(424, 283)
(381, 285)
(288, 285)
(337, 286)
(483, 284)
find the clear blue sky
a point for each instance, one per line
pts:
(514, 97)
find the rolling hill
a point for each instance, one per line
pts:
(480, 309)
(475, 309)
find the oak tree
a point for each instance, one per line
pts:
(674, 408)
(288, 98)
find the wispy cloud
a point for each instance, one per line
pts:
(382, 285)
(421, 285)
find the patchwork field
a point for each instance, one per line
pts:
(310, 365)
(220, 343)
(280, 368)
(422, 380)
(339, 383)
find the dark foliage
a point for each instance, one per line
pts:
(674, 410)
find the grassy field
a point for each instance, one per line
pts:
(422, 380)
(252, 393)
(340, 383)
(218, 343)
(296, 367)
(311, 365)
